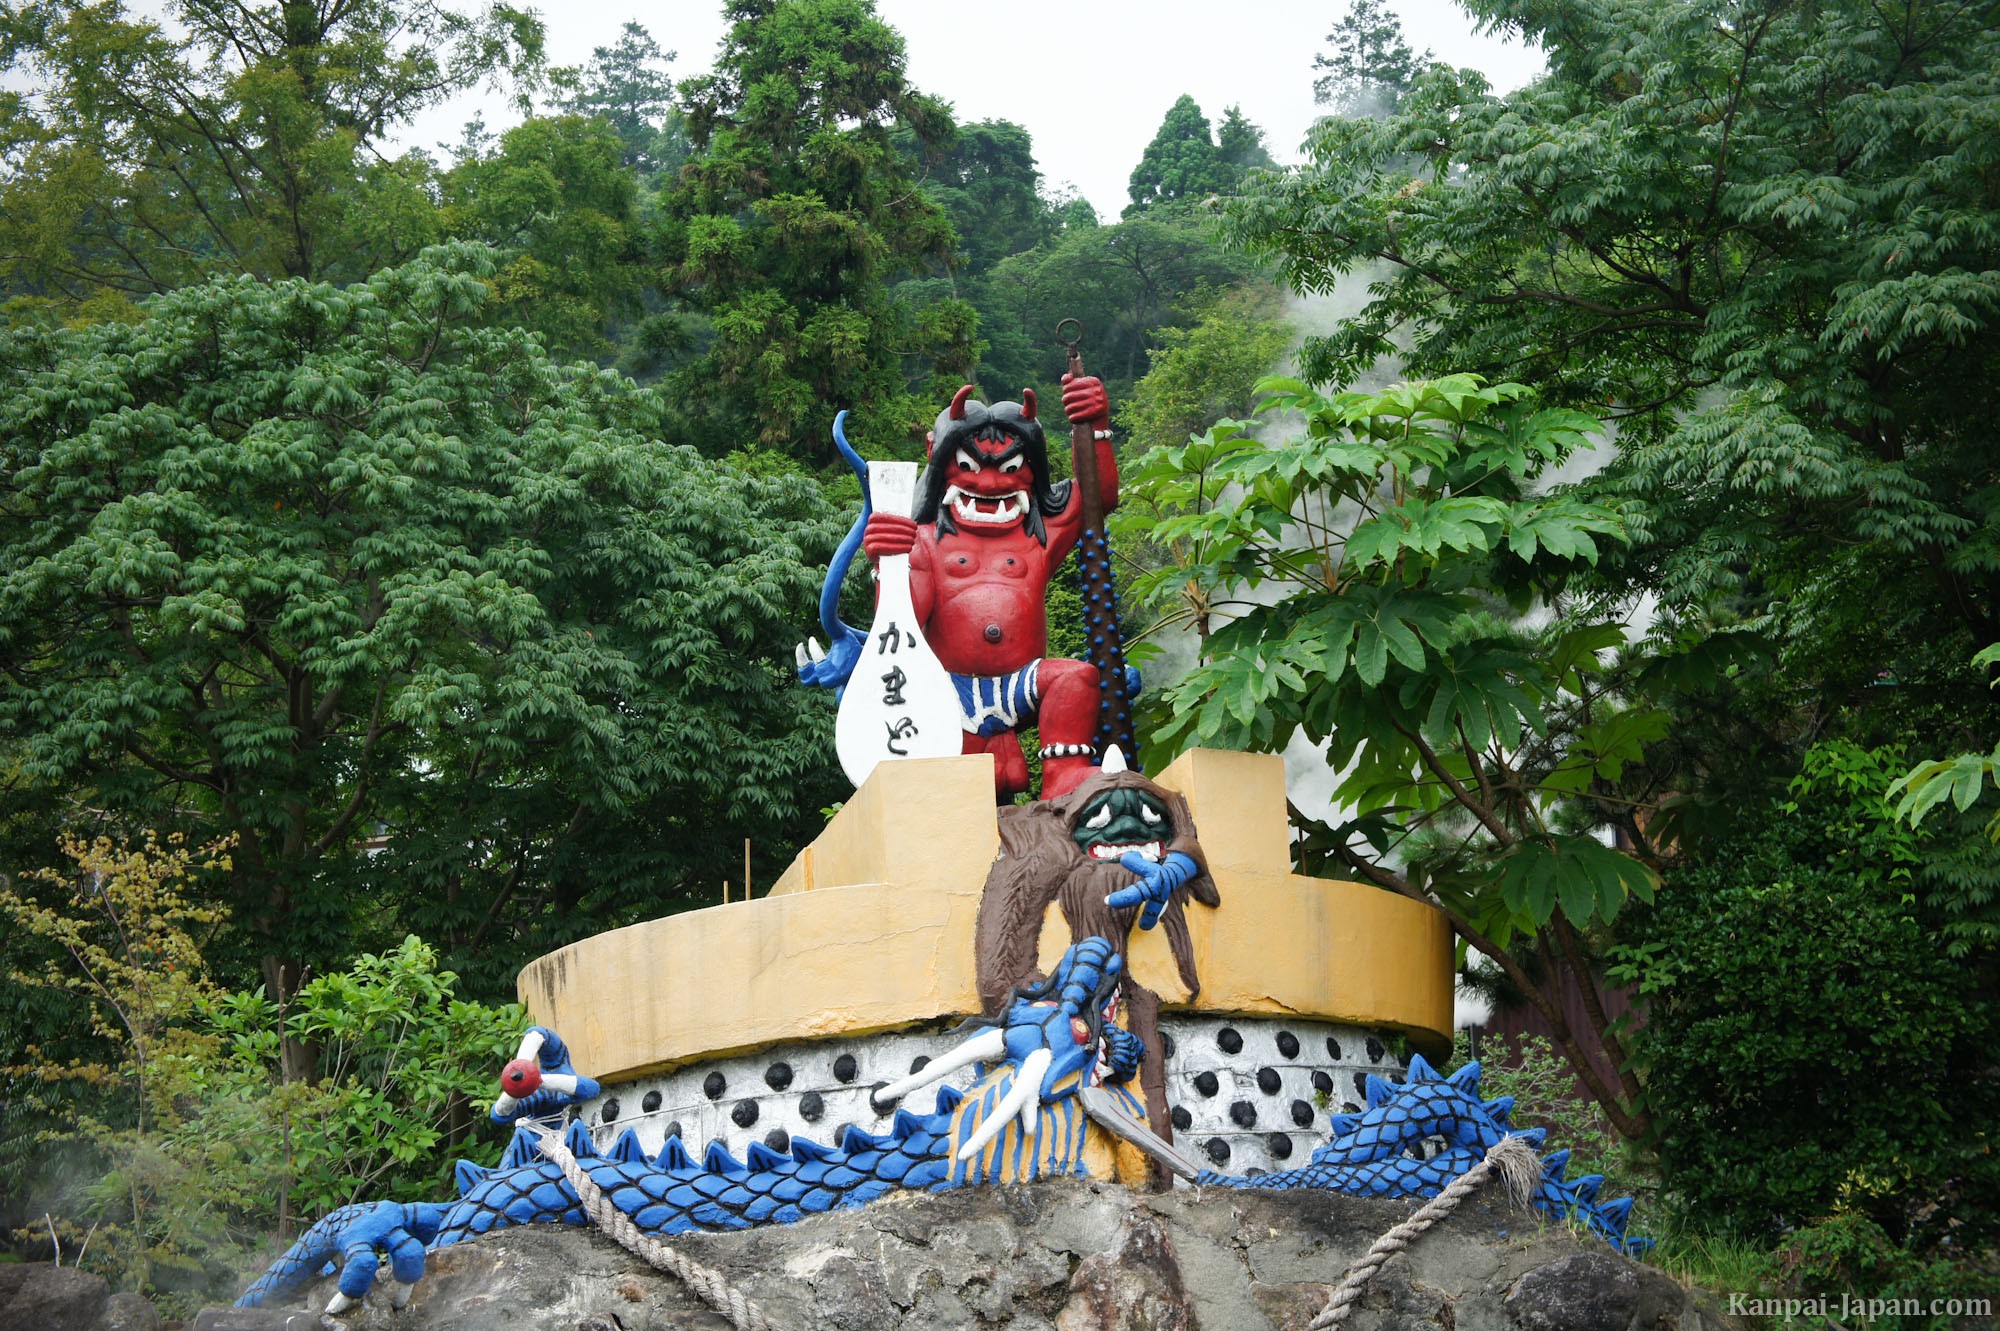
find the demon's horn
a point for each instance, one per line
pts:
(1114, 760)
(1027, 404)
(958, 402)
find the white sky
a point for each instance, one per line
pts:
(1091, 80)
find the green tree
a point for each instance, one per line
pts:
(1239, 145)
(305, 565)
(1359, 585)
(228, 139)
(1370, 66)
(1785, 968)
(122, 923)
(1180, 167)
(988, 185)
(559, 203)
(1123, 282)
(1758, 236)
(627, 86)
(1207, 371)
(790, 225)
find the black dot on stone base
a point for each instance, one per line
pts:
(1243, 1114)
(744, 1114)
(1349, 1107)
(811, 1107)
(778, 1076)
(840, 1134)
(674, 1128)
(1255, 1171)
(608, 1111)
(1279, 1145)
(1288, 1044)
(1302, 1113)
(919, 1063)
(1166, 1044)
(1268, 1080)
(1375, 1050)
(1182, 1119)
(1323, 1083)
(1230, 1040)
(713, 1085)
(778, 1140)
(844, 1068)
(651, 1104)
(1333, 1048)
(1205, 1083)
(1218, 1150)
(1361, 1084)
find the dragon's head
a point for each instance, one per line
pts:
(1057, 1036)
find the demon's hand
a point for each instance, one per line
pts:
(540, 1080)
(889, 534)
(1085, 403)
(1157, 882)
(829, 669)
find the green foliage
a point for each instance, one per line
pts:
(1239, 145)
(401, 1069)
(558, 201)
(228, 139)
(1124, 283)
(988, 185)
(1205, 371)
(192, 1138)
(792, 222)
(1369, 65)
(1757, 235)
(1809, 1050)
(1180, 167)
(116, 1153)
(302, 564)
(627, 86)
(1543, 1088)
(1358, 585)
(1961, 779)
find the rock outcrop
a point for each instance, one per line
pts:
(1059, 1256)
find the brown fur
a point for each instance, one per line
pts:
(1039, 864)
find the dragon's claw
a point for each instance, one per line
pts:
(540, 1080)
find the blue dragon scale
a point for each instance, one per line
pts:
(1024, 1118)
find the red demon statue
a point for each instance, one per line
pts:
(989, 531)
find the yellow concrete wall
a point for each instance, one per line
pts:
(871, 928)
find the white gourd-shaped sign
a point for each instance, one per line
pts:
(900, 702)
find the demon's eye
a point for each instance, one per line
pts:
(1011, 465)
(1146, 812)
(1102, 818)
(966, 462)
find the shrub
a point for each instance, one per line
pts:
(1810, 1047)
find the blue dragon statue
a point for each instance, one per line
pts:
(1024, 1118)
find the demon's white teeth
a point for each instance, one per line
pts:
(1007, 508)
(1149, 849)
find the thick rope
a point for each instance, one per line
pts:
(705, 1281)
(1518, 1167)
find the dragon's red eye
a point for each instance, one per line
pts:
(1080, 1030)
(521, 1078)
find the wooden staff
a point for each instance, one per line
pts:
(1106, 649)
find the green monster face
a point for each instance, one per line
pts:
(1123, 819)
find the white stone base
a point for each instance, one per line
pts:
(1238, 1088)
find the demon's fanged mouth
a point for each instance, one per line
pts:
(1151, 850)
(992, 509)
